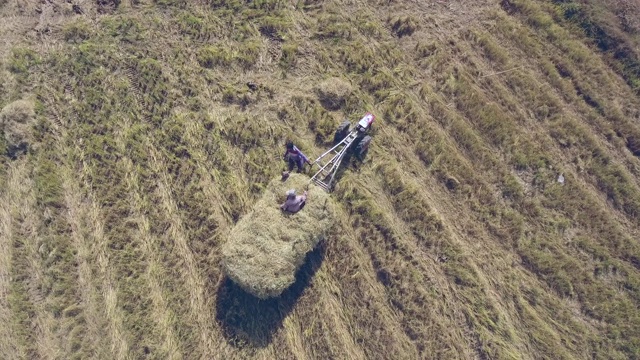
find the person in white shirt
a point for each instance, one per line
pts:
(294, 203)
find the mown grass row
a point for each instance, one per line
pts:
(608, 113)
(233, 153)
(458, 266)
(4, 161)
(608, 38)
(575, 139)
(160, 250)
(187, 181)
(43, 266)
(106, 142)
(43, 270)
(107, 180)
(561, 276)
(405, 115)
(381, 244)
(18, 299)
(194, 212)
(369, 311)
(4, 100)
(404, 286)
(506, 217)
(165, 132)
(482, 314)
(494, 130)
(60, 267)
(550, 22)
(22, 307)
(309, 116)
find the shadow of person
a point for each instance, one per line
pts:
(248, 320)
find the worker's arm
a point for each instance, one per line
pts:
(304, 157)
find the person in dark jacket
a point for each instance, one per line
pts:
(295, 157)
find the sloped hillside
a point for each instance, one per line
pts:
(497, 214)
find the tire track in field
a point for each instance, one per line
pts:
(174, 236)
(369, 318)
(26, 266)
(119, 345)
(76, 216)
(89, 293)
(201, 309)
(83, 216)
(163, 316)
(446, 317)
(9, 342)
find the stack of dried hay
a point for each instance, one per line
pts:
(267, 246)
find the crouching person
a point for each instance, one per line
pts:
(294, 203)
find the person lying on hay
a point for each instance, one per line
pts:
(294, 203)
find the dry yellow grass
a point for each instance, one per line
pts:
(158, 125)
(267, 246)
(16, 122)
(10, 344)
(333, 93)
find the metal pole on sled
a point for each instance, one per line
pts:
(325, 176)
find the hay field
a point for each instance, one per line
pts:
(158, 124)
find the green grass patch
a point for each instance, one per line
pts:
(274, 27)
(401, 111)
(176, 3)
(357, 57)
(492, 50)
(22, 60)
(211, 56)
(23, 311)
(77, 32)
(221, 56)
(127, 29)
(49, 185)
(378, 83)
(289, 55)
(497, 127)
(334, 27)
(552, 266)
(403, 25)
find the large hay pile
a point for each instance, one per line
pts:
(267, 246)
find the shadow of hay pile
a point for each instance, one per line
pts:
(248, 320)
